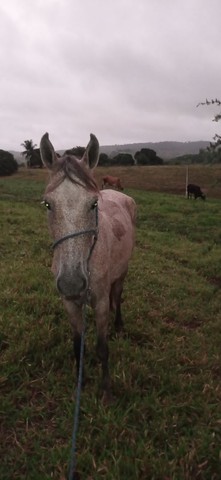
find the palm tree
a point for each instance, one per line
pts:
(29, 149)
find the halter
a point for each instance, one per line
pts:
(93, 231)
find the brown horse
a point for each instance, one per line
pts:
(93, 235)
(110, 181)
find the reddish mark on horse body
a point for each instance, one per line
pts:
(118, 229)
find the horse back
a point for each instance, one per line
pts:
(115, 204)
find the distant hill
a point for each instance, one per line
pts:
(165, 150)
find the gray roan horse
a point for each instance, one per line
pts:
(93, 234)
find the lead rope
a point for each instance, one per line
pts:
(73, 474)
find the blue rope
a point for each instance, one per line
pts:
(72, 474)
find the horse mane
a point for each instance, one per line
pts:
(76, 172)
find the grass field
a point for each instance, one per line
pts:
(166, 421)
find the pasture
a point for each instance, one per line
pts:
(165, 423)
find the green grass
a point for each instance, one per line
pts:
(166, 421)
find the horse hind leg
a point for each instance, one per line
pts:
(118, 322)
(102, 320)
(76, 321)
(103, 355)
(116, 300)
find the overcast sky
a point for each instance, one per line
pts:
(126, 70)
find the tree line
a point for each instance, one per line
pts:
(145, 156)
(8, 164)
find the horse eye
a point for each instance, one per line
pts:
(46, 204)
(94, 205)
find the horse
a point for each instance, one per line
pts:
(93, 233)
(110, 181)
(196, 191)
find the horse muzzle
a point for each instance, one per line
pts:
(74, 287)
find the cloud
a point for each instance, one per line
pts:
(128, 71)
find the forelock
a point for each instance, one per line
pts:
(69, 167)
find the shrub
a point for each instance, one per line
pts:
(122, 159)
(147, 156)
(8, 164)
(77, 151)
(104, 160)
(35, 161)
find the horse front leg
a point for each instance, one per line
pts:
(76, 320)
(102, 320)
(103, 355)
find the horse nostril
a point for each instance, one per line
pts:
(72, 286)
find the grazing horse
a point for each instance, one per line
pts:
(195, 190)
(110, 181)
(93, 234)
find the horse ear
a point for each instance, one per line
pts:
(48, 154)
(91, 154)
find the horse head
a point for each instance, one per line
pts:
(71, 199)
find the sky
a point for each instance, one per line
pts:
(126, 70)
